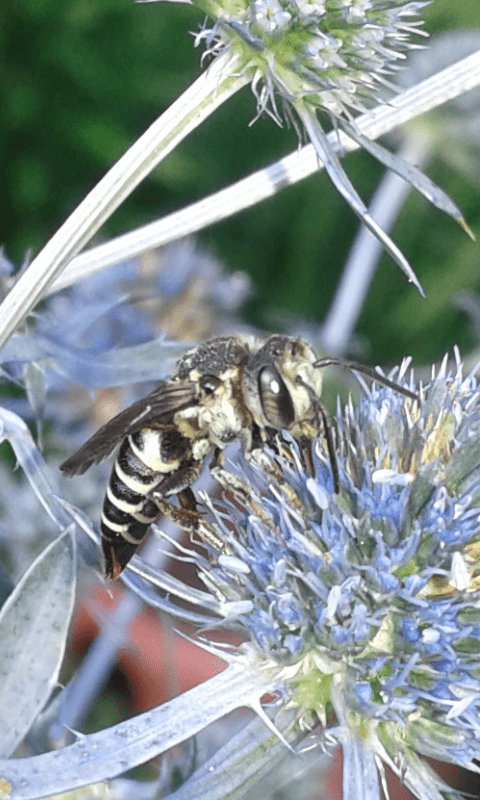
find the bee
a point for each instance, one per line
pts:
(232, 388)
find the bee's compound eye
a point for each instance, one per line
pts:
(275, 399)
(208, 383)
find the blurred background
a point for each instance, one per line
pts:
(82, 80)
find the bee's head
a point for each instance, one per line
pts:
(280, 384)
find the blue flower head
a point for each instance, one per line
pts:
(366, 604)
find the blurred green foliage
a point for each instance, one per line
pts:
(82, 80)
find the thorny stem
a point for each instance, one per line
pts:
(99, 756)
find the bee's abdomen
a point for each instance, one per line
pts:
(143, 461)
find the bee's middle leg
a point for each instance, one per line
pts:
(242, 492)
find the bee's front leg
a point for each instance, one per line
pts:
(277, 477)
(239, 490)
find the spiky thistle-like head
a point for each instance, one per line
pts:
(366, 603)
(334, 55)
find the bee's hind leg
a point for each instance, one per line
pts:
(188, 518)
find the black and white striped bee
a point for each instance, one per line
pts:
(232, 388)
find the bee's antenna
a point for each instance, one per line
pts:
(368, 371)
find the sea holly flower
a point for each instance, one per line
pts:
(360, 610)
(366, 603)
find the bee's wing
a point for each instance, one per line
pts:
(157, 408)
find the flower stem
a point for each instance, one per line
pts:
(106, 753)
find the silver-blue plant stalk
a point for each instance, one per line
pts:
(360, 611)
